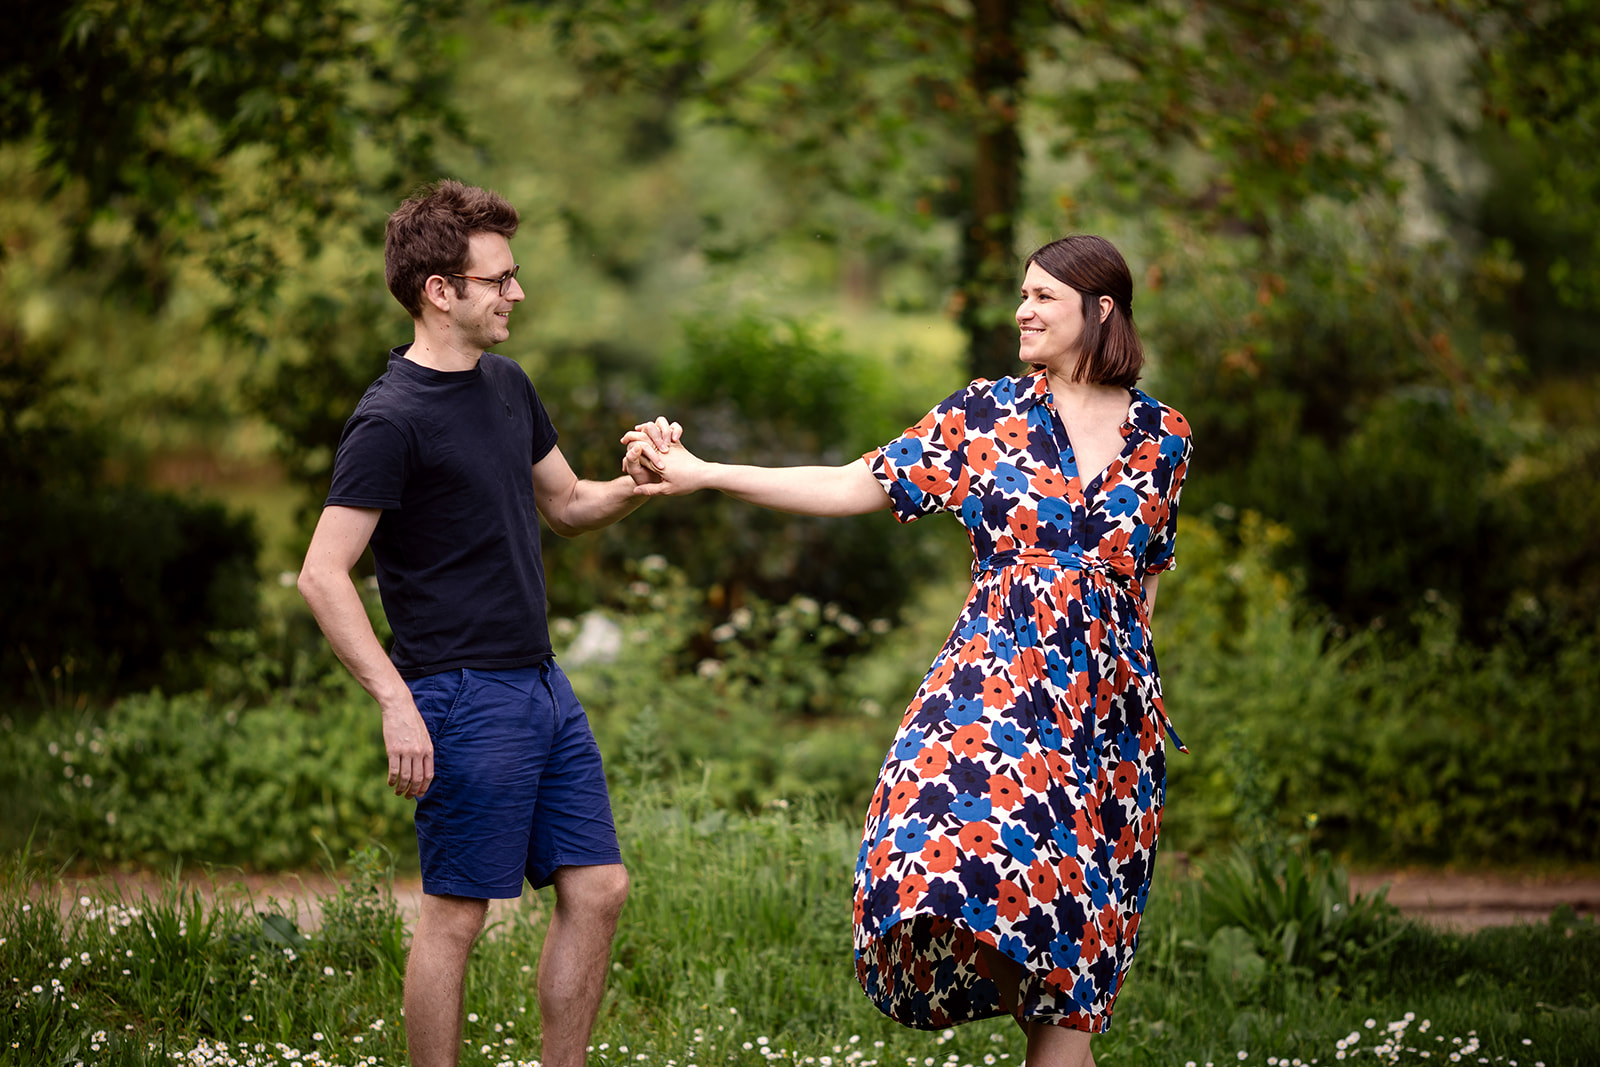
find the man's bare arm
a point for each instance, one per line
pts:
(340, 538)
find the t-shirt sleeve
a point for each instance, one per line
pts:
(370, 468)
(1161, 553)
(544, 430)
(924, 470)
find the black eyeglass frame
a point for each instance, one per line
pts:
(502, 281)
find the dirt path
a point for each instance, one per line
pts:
(1456, 901)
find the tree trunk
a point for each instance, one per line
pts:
(989, 278)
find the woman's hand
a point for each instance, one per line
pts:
(658, 462)
(655, 438)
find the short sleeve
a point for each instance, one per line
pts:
(924, 470)
(544, 431)
(370, 468)
(1160, 555)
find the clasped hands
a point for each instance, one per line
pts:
(658, 462)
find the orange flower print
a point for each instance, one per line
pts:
(1012, 902)
(932, 760)
(912, 889)
(997, 693)
(1004, 793)
(930, 480)
(1144, 457)
(969, 741)
(1035, 775)
(1012, 432)
(901, 796)
(982, 455)
(878, 859)
(940, 855)
(1022, 522)
(1042, 881)
(1090, 944)
(978, 838)
(1071, 872)
(1047, 482)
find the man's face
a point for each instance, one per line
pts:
(481, 318)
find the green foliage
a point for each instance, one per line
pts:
(1441, 752)
(749, 389)
(117, 585)
(159, 779)
(1297, 914)
(761, 708)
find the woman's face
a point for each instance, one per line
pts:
(1051, 320)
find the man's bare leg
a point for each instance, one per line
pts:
(577, 951)
(436, 972)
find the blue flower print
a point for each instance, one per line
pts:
(1064, 839)
(912, 836)
(1122, 501)
(980, 880)
(1027, 632)
(1095, 882)
(1009, 738)
(945, 897)
(932, 802)
(972, 513)
(1064, 951)
(1172, 447)
(1054, 511)
(1059, 670)
(966, 682)
(1018, 842)
(1138, 540)
(1013, 947)
(979, 916)
(1084, 993)
(1049, 734)
(1005, 391)
(968, 776)
(1080, 656)
(1009, 478)
(969, 808)
(1146, 794)
(912, 491)
(964, 711)
(907, 451)
(1002, 647)
(972, 627)
(1128, 743)
(909, 745)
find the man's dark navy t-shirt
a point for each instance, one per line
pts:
(448, 456)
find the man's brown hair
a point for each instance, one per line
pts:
(1109, 352)
(430, 233)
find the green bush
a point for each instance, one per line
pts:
(158, 779)
(1440, 752)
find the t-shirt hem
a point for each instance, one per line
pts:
(512, 664)
(361, 502)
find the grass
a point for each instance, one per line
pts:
(734, 951)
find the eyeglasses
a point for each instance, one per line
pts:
(501, 282)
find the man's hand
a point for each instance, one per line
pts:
(660, 435)
(661, 467)
(405, 736)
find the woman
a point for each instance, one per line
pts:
(1009, 846)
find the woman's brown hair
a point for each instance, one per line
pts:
(1109, 352)
(431, 233)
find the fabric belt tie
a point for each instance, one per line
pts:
(1103, 583)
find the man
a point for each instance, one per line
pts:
(441, 468)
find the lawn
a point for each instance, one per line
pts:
(735, 950)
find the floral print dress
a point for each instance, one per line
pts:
(1021, 801)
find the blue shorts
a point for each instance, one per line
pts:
(518, 789)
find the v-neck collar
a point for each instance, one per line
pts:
(1143, 417)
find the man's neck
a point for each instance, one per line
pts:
(433, 348)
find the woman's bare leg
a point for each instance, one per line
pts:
(1048, 1046)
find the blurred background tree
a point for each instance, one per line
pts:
(1363, 237)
